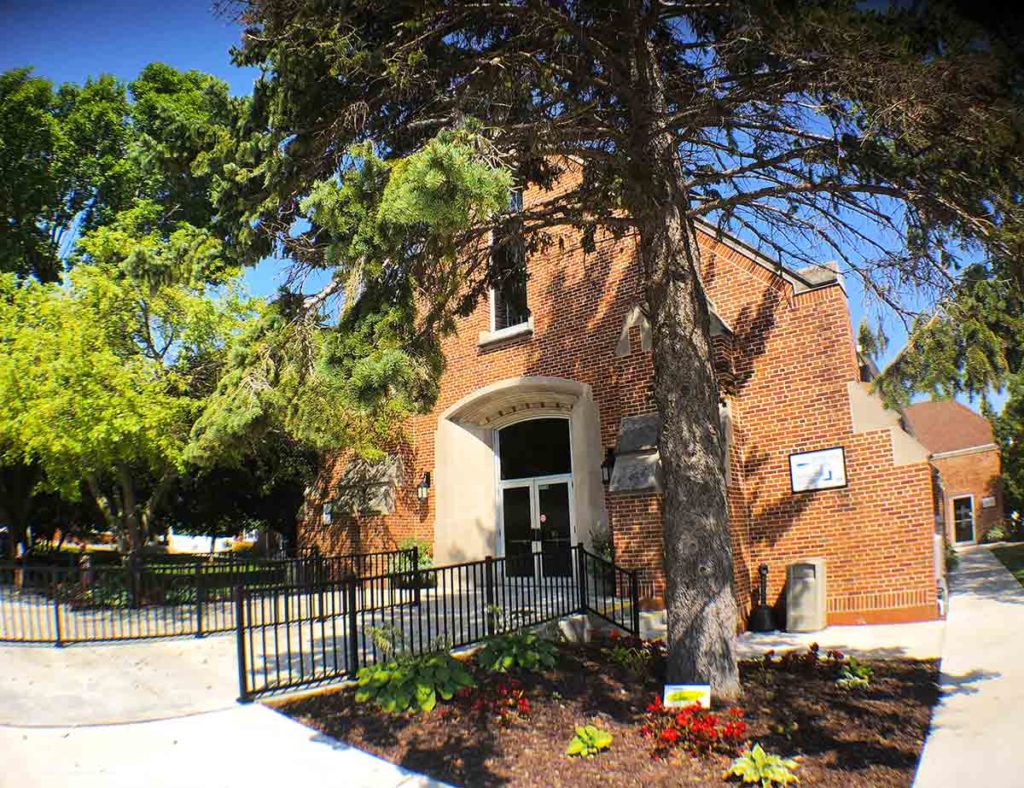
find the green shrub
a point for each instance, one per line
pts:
(588, 741)
(997, 533)
(764, 768)
(523, 650)
(952, 558)
(412, 683)
(854, 675)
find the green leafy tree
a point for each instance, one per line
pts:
(72, 158)
(880, 135)
(103, 378)
(261, 490)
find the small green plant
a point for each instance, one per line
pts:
(854, 675)
(952, 558)
(412, 683)
(996, 533)
(588, 742)
(763, 768)
(522, 650)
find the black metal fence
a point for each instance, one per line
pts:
(57, 604)
(291, 636)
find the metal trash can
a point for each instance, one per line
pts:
(805, 595)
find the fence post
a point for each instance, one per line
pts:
(200, 598)
(244, 696)
(489, 593)
(634, 600)
(59, 641)
(353, 628)
(581, 574)
(416, 575)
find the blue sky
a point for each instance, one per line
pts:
(68, 41)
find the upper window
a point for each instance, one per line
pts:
(508, 259)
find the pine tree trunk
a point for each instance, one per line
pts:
(699, 596)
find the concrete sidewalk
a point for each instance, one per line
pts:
(242, 746)
(978, 729)
(155, 714)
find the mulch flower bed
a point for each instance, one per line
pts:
(513, 729)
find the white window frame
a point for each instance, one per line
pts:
(519, 328)
(974, 518)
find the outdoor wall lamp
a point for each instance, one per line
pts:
(607, 465)
(328, 512)
(424, 488)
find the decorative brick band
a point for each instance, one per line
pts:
(881, 600)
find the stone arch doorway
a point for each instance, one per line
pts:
(535, 501)
(469, 510)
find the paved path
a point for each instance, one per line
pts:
(158, 713)
(242, 746)
(977, 733)
(875, 641)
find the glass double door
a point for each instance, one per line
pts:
(536, 517)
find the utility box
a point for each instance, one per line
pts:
(805, 595)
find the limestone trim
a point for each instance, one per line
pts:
(869, 414)
(514, 399)
(465, 470)
(941, 455)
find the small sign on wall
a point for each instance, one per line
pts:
(817, 470)
(988, 502)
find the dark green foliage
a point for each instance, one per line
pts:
(522, 650)
(412, 683)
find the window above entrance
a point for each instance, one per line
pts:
(509, 309)
(538, 447)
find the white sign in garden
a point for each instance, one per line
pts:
(817, 470)
(677, 695)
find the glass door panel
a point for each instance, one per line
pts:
(517, 520)
(963, 519)
(553, 514)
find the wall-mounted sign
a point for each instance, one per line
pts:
(817, 470)
(687, 695)
(988, 502)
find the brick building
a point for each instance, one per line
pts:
(548, 385)
(966, 455)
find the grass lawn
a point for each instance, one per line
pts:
(1012, 557)
(865, 737)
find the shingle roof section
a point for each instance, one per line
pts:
(946, 425)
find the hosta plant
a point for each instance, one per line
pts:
(522, 650)
(588, 741)
(411, 683)
(633, 653)
(763, 768)
(854, 675)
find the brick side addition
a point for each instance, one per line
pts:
(965, 454)
(979, 475)
(784, 372)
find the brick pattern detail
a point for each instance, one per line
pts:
(784, 371)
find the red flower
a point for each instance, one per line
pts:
(670, 735)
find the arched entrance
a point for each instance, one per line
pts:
(550, 428)
(535, 495)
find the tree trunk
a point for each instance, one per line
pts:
(699, 596)
(130, 511)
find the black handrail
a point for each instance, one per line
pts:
(57, 604)
(301, 636)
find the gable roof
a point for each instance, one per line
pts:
(946, 425)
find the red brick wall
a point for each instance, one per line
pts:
(785, 371)
(977, 475)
